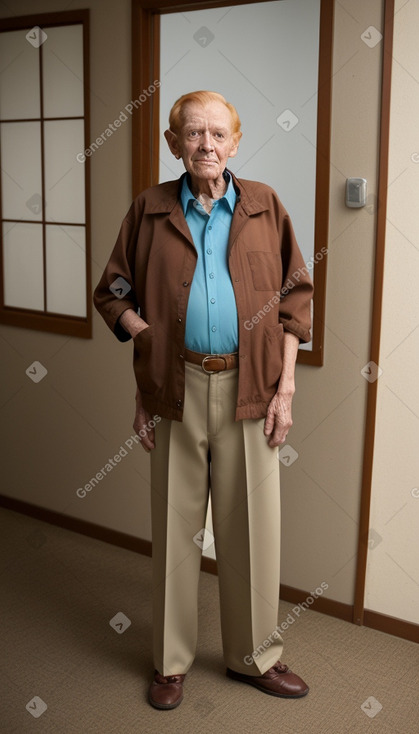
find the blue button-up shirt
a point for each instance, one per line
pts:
(211, 318)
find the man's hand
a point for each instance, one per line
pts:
(278, 420)
(134, 324)
(142, 423)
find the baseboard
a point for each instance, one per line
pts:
(391, 625)
(321, 604)
(375, 620)
(114, 537)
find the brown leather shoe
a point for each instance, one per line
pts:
(166, 692)
(277, 681)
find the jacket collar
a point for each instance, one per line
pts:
(169, 197)
(229, 198)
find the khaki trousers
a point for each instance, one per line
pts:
(245, 502)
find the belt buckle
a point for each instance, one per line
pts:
(212, 356)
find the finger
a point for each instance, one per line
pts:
(269, 424)
(148, 441)
(151, 439)
(146, 444)
(277, 439)
(279, 434)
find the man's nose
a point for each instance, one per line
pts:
(206, 142)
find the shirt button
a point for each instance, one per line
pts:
(185, 285)
(210, 227)
(213, 328)
(211, 275)
(178, 403)
(209, 251)
(212, 300)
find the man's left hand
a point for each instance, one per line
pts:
(278, 419)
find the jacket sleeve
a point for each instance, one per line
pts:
(115, 292)
(297, 287)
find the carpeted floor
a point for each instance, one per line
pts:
(59, 592)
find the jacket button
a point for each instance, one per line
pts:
(185, 285)
(178, 403)
(179, 320)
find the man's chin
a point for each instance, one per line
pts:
(207, 171)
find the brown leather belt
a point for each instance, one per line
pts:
(211, 363)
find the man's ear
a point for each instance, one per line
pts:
(172, 142)
(235, 145)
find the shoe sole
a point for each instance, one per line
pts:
(164, 706)
(238, 678)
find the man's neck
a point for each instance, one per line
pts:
(208, 188)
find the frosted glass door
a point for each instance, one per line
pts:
(23, 264)
(64, 175)
(21, 180)
(66, 272)
(19, 78)
(63, 72)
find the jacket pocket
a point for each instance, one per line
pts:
(266, 269)
(272, 355)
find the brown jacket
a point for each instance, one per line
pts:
(155, 255)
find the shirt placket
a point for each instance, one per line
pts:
(211, 277)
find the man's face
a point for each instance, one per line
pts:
(205, 141)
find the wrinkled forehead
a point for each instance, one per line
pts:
(214, 114)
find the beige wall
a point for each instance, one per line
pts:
(392, 585)
(61, 431)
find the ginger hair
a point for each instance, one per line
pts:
(202, 97)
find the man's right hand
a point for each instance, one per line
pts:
(142, 423)
(133, 324)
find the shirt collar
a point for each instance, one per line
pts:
(187, 196)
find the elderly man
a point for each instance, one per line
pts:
(207, 279)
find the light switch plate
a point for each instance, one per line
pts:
(356, 192)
